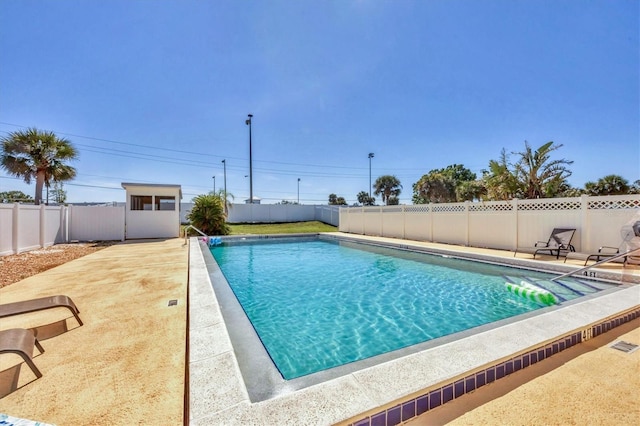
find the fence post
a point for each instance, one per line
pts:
(404, 222)
(43, 225)
(15, 234)
(64, 223)
(585, 237)
(466, 235)
(514, 241)
(430, 217)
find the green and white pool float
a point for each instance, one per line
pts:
(532, 292)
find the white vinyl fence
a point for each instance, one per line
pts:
(496, 224)
(274, 213)
(27, 227)
(499, 224)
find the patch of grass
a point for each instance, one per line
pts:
(281, 228)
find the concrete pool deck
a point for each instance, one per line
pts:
(128, 363)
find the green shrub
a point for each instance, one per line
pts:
(208, 215)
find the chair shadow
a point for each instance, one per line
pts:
(9, 378)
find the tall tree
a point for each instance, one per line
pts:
(39, 155)
(334, 200)
(15, 197)
(58, 193)
(608, 185)
(541, 176)
(441, 185)
(365, 199)
(388, 186)
(501, 183)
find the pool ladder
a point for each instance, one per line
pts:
(186, 233)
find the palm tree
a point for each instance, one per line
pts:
(208, 214)
(608, 185)
(501, 183)
(540, 175)
(364, 199)
(39, 155)
(388, 186)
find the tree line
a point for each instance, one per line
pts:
(42, 156)
(532, 174)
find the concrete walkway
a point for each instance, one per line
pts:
(126, 364)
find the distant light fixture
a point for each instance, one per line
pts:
(370, 157)
(248, 123)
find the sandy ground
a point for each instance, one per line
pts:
(16, 267)
(126, 364)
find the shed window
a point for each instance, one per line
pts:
(164, 202)
(141, 202)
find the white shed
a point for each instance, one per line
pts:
(153, 210)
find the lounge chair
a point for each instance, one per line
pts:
(559, 240)
(603, 253)
(34, 305)
(21, 341)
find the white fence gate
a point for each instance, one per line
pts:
(499, 224)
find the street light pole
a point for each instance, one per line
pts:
(298, 190)
(214, 185)
(224, 164)
(248, 122)
(370, 157)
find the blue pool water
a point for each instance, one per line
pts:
(318, 304)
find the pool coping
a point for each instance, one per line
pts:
(217, 393)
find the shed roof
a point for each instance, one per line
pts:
(153, 185)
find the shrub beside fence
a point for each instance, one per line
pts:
(499, 224)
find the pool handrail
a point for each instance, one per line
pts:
(186, 233)
(608, 259)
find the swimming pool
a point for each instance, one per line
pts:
(232, 378)
(317, 303)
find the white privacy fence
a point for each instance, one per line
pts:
(499, 224)
(274, 213)
(495, 224)
(27, 227)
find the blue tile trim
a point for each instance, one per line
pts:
(447, 394)
(458, 388)
(422, 405)
(394, 416)
(409, 410)
(363, 422)
(450, 391)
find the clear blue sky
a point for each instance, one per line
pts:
(158, 91)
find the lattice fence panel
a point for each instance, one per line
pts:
(419, 208)
(550, 205)
(613, 204)
(449, 208)
(503, 207)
